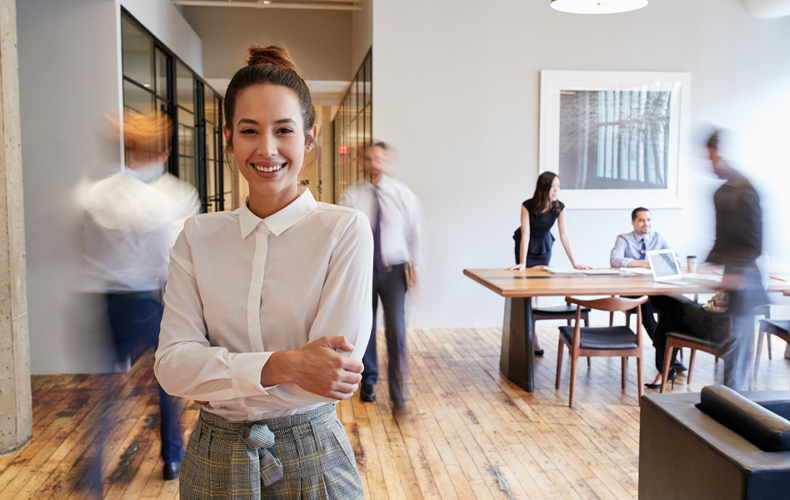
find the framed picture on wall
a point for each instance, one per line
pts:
(616, 139)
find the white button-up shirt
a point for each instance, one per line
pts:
(131, 220)
(242, 287)
(400, 218)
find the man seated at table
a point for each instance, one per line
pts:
(630, 250)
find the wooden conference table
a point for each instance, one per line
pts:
(518, 287)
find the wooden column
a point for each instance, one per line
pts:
(15, 397)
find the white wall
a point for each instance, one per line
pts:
(457, 92)
(361, 32)
(69, 77)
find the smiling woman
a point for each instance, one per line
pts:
(269, 145)
(267, 311)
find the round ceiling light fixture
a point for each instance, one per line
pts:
(597, 6)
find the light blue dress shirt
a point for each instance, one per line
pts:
(628, 247)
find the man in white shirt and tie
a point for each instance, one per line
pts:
(630, 250)
(394, 215)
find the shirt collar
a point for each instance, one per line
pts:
(646, 238)
(384, 183)
(147, 173)
(278, 222)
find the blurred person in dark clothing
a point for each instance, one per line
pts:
(738, 245)
(739, 242)
(131, 220)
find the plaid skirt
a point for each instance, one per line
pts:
(305, 456)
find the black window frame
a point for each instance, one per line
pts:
(348, 163)
(209, 201)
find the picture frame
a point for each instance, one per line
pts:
(617, 139)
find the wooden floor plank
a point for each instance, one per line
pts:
(368, 460)
(467, 433)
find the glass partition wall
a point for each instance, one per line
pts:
(353, 128)
(154, 79)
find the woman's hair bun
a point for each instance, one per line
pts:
(272, 54)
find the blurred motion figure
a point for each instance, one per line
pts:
(739, 241)
(131, 220)
(394, 213)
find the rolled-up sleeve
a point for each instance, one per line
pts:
(617, 256)
(345, 304)
(186, 363)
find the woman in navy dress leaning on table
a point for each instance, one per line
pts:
(538, 215)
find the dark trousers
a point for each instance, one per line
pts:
(134, 322)
(648, 314)
(687, 317)
(389, 284)
(649, 318)
(738, 346)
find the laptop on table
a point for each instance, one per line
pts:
(665, 266)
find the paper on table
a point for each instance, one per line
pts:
(557, 270)
(703, 276)
(602, 271)
(636, 270)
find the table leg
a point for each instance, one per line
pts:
(516, 357)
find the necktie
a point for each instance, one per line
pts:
(643, 250)
(377, 234)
